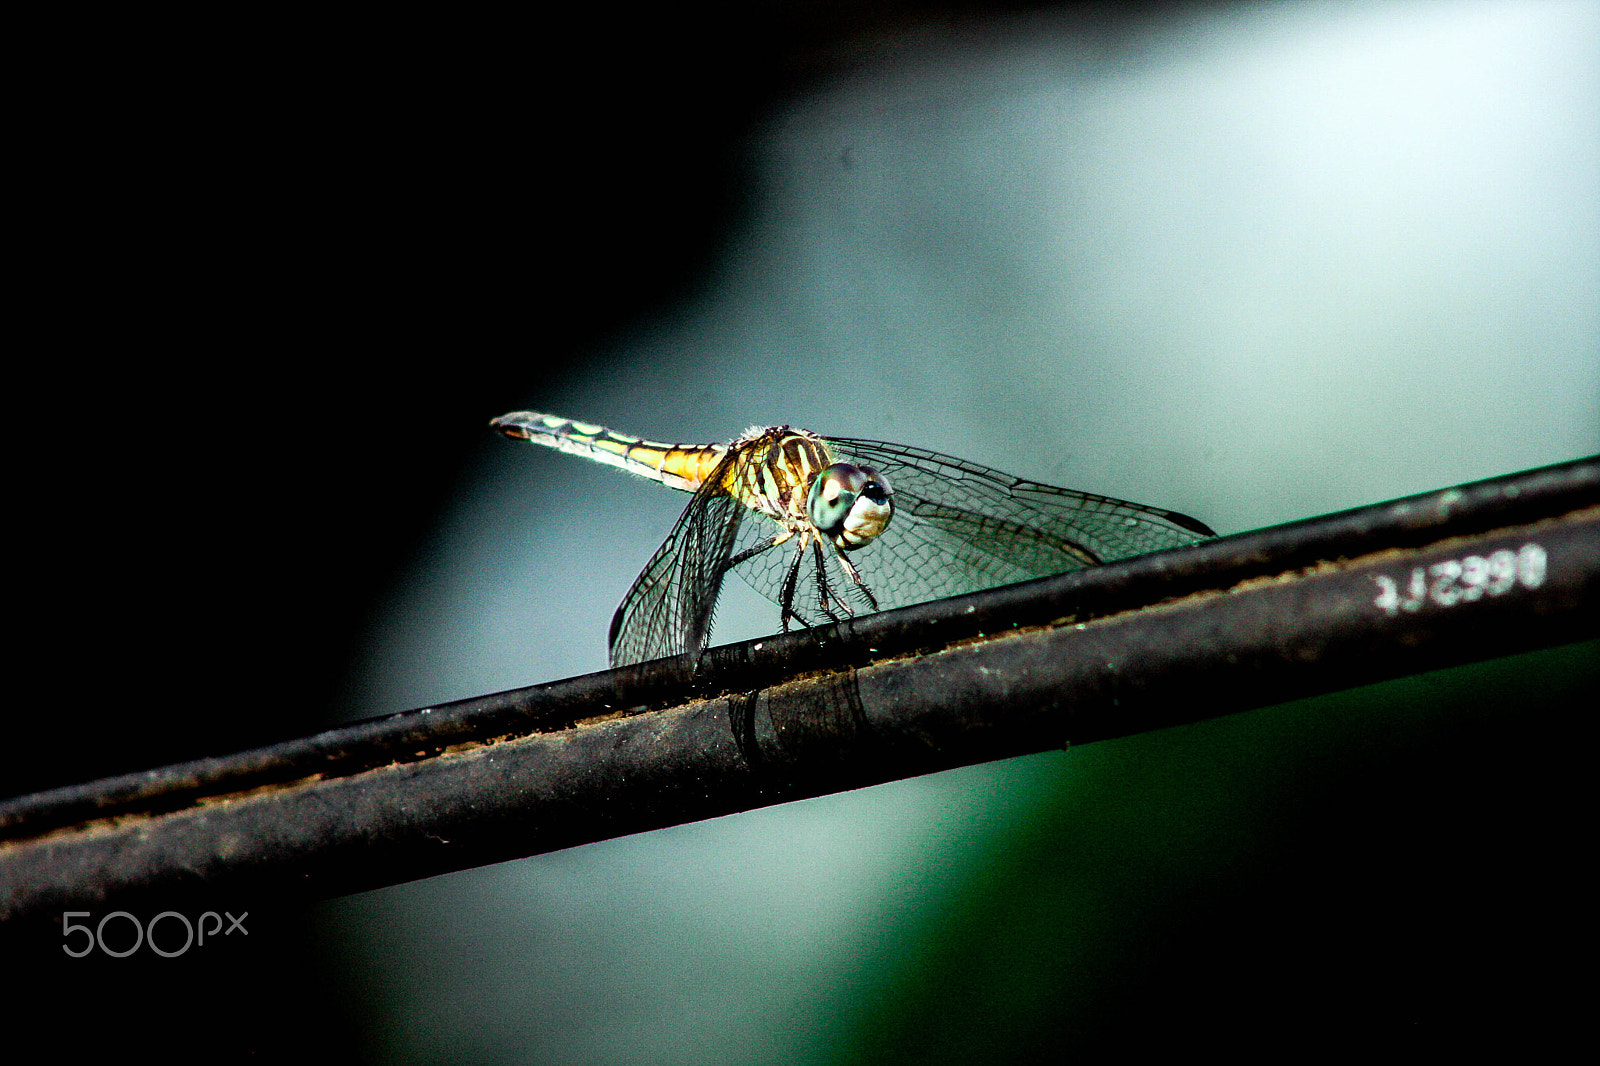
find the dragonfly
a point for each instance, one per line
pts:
(792, 511)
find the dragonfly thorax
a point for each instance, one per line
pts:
(850, 504)
(770, 471)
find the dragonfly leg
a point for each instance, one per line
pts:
(825, 594)
(786, 596)
(751, 553)
(855, 576)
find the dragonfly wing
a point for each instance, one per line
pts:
(670, 607)
(959, 527)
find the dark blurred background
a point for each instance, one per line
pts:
(280, 270)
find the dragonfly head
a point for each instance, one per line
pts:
(851, 504)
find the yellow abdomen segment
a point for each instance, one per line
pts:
(681, 466)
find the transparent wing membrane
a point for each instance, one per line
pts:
(959, 527)
(669, 609)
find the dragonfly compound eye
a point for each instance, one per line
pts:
(851, 504)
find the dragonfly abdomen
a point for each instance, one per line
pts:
(679, 466)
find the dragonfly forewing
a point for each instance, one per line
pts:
(960, 527)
